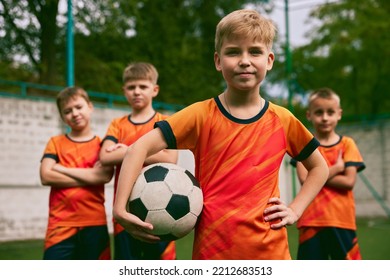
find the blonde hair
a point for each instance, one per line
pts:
(325, 93)
(245, 23)
(69, 93)
(140, 71)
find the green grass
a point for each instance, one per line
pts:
(373, 237)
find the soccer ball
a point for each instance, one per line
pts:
(169, 197)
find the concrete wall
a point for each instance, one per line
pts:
(25, 127)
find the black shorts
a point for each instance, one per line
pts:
(324, 243)
(82, 243)
(127, 247)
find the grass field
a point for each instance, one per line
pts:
(373, 237)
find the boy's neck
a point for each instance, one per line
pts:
(327, 139)
(81, 135)
(141, 116)
(243, 106)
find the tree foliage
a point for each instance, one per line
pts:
(349, 51)
(176, 36)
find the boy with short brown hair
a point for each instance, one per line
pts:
(77, 227)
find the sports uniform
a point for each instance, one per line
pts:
(123, 130)
(77, 225)
(331, 215)
(237, 163)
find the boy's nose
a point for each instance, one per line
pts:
(137, 90)
(244, 61)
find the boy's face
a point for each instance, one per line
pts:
(324, 114)
(77, 113)
(139, 93)
(243, 62)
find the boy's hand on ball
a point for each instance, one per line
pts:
(136, 227)
(278, 214)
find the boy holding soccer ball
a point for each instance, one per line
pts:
(139, 87)
(327, 228)
(239, 141)
(77, 227)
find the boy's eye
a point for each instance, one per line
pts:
(256, 51)
(231, 52)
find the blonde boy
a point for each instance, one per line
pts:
(238, 140)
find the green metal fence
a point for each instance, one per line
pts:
(27, 90)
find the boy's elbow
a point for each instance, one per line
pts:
(173, 159)
(44, 179)
(107, 179)
(45, 182)
(349, 184)
(107, 176)
(103, 159)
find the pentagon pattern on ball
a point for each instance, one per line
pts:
(169, 197)
(156, 174)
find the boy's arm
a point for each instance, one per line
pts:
(345, 180)
(169, 156)
(99, 174)
(316, 177)
(111, 153)
(339, 177)
(50, 177)
(301, 172)
(147, 145)
(317, 174)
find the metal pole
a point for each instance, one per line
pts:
(288, 57)
(290, 94)
(70, 47)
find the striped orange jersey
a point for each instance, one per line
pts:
(237, 164)
(75, 206)
(123, 130)
(334, 207)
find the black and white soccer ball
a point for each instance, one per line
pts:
(169, 197)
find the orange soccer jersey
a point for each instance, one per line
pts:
(237, 164)
(123, 130)
(334, 207)
(75, 206)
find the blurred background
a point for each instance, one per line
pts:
(46, 45)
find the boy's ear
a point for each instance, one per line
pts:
(271, 59)
(308, 116)
(156, 90)
(340, 114)
(90, 105)
(217, 61)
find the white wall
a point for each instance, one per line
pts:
(25, 127)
